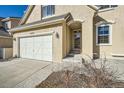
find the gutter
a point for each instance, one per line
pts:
(5, 37)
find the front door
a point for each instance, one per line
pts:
(77, 40)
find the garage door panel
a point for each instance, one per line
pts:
(37, 47)
(22, 47)
(29, 47)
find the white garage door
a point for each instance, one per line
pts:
(39, 48)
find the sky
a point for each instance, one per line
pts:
(12, 10)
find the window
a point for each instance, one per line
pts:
(103, 36)
(48, 10)
(5, 24)
(106, 6)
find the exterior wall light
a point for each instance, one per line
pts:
(57, 35)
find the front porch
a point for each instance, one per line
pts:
(73, 41)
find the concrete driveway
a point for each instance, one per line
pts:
(23, 72)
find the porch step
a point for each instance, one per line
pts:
(75, 51)
(74, 58)
(70, 55)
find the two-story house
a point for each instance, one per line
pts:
(52, 32)
(6, 40)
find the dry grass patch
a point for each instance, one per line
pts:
(91, 76)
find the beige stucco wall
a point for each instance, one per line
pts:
(35, 14)
(80, 12)
(118, 31)
(63, 45)
(84, 14)
(57, 42)
(7, 53)
(6, 42)
(87, 36)
(114, 16)
(100, 50)
(68, 40)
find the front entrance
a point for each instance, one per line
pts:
(75, 28)
(77, 40)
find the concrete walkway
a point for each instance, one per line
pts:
(23, 73)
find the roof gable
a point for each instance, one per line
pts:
(45, 22)
(31, 11)
(27, 13)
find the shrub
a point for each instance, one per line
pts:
(89, 74)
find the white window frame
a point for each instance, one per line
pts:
(43, 17)
(109, 6)
(107, 9)
(110, 34)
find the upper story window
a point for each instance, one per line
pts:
(106, 6)
(48, 10)
(6, 25)
(104, 34)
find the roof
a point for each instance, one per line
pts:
(43, 21)
(4, 33)
(9, 18)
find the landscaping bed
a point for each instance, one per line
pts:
(58, 80)
(87, 75)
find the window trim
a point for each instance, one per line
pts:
(104, 10)
(110, 34)
(105, 6)
(107, 9)
(6, 25)
(48, 16)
